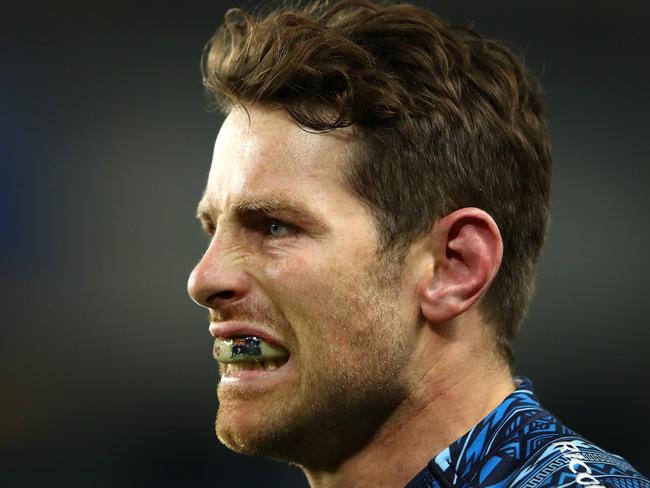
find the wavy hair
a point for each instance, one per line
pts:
(443, 119)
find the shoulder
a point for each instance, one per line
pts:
(571, 460)
(522, 445)
(545, 453)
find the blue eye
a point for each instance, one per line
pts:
(278, 229)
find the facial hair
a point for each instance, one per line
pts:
(351, 362)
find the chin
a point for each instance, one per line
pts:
(245, 430)
(235, 441)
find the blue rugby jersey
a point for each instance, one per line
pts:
(522, 445)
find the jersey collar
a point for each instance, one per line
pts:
(461, 459)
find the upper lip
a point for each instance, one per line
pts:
(231, 329)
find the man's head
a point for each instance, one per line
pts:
(443, 119)
(374, 167)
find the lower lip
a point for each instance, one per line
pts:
(257, 376)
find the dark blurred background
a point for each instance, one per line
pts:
(107, 377)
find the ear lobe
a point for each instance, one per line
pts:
(467, 251)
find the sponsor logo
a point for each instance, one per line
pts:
(577, 464)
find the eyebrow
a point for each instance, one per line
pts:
(254, 206)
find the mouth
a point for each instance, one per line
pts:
(248, 357)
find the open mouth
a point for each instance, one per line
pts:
(254, 365)
(248, 353)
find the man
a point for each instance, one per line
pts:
(377, 200)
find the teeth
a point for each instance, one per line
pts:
(253, 365)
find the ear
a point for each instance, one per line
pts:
(467, 251)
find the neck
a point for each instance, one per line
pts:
(447, 398)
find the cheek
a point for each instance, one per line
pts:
(314, 296)
(300, 276)
(327, 298)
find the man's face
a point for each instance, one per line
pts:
(294, 253)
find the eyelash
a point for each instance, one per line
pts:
(270, 222)
(208, 228)
(263, 224)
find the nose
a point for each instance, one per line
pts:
(216, 281)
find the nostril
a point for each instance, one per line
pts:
(224, 295)
(218, 299)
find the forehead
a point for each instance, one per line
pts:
(263, 153)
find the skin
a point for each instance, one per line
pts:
(382, 356)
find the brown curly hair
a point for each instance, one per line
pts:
(444, 119)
